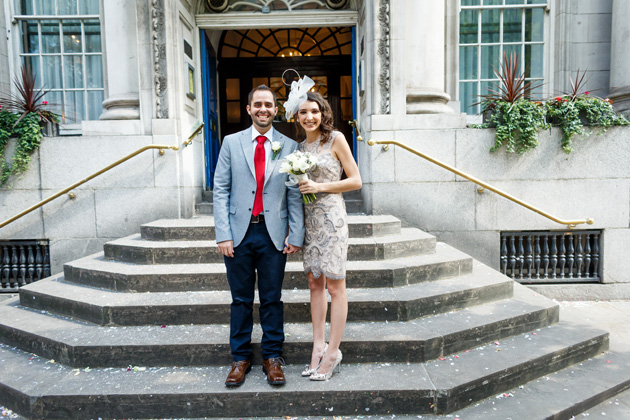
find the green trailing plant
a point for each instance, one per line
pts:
(21, 116)
(508, 106)
(573, 110)
(517, 125)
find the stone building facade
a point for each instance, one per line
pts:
(126, 74)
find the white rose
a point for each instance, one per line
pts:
(286, 167)
(301, 165)
(276, 146)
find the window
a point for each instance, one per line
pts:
(60, 42)
(487, 29)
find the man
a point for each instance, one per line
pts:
(258, 221)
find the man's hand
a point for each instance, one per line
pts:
(226, 248)
(288, 248)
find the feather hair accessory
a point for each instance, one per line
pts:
(297, 96)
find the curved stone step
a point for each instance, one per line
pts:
(204, 208)
(201, 228)
(133, 249)
(38, 388)
(106, 307)
(96, 271)
(81, 344)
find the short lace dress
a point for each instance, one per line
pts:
(326, 237)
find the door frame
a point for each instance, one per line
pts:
(295, 19)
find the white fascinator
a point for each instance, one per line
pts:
(297, 96)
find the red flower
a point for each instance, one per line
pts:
(586, 93)
(45, 102)
(558, 99)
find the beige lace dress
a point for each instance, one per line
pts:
(326, 240)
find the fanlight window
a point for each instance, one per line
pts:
(273, 5)
(286, 42)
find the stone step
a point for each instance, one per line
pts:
(564, 394)
(96, 271)
(207, 196)
(107, 307)
(38, 388)
(410, 241)
(204, 209)
(201, 228)
(81, 344)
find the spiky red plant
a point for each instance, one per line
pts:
(511, 86)
(28, 98)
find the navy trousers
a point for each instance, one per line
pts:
(256, 254)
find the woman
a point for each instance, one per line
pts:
(326, 241)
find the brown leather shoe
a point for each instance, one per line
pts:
(273, 368)
(236, 377)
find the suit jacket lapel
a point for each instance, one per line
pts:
(273, 163)
(248, 149)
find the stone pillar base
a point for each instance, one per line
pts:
(121, 107)
(621, 99)
(428, 101)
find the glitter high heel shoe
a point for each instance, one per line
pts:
(326, 376)
(308, 371)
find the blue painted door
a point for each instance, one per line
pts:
(209, 86)
(354, 89)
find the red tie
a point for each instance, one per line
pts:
(259, 162)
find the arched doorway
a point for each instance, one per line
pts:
(248, 58)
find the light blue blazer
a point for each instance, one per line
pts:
(235, 189)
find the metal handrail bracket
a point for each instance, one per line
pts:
(570, 223)
(160, 147)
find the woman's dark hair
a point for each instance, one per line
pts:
(326, 126)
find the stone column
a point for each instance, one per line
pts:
(620, 57)
(425, 55)
(119, 30)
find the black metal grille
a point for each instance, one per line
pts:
(23, 262)
(552, 256)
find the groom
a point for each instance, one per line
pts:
(258, 220)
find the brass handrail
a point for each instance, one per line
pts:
(94, 175)
(194, 134)
(570, 223)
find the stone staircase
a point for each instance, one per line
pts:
(141, 331)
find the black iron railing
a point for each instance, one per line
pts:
(551, 256)
(23, 262)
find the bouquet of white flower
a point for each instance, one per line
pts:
(296, 164)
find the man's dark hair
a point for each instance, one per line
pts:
(261, 87)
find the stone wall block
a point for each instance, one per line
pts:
(593, 6)
(592, 56)
(27, 227)
(67, 160)
(430, 205)
(592, 157)
(63, 250)
(484, 245)
(381, 163)
(120, 212)
(576, 199)
(599, 28)
(615, 250)
(29, 179)
(70, 218)
(438, 144)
